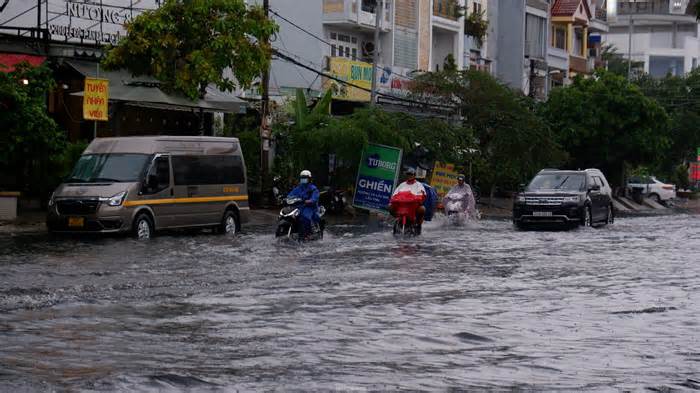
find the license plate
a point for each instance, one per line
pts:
(76, 222)
(542, 214)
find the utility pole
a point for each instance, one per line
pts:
(265, 110)
(629, 49)
(38, 18)
(375, 58)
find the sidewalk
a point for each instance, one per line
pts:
(27, 221)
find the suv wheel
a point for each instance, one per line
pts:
(143, 227)
(655, 197)
(587, 220)
(610, 217)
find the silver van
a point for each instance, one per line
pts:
(145, 184)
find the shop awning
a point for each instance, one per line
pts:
(8, 61)
(144, 91)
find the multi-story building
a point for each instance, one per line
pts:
(518, 43)
(337, 37)
(476, 49)
(663, 33)
(558, 39)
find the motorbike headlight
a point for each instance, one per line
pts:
(115, 200)
(571, 199)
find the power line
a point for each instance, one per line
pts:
(329, 76)
(328, 42)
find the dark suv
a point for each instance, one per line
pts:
(565, 197)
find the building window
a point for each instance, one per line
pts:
(344, 45)
(559, 37)
(476, 8)
(578, 42)
(369, 5)
(535, 36)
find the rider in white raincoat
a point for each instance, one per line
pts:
(464, 191)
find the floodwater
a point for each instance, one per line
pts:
(475, 308)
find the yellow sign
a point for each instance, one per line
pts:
(356, 72)
(444, 178)
(95, 99)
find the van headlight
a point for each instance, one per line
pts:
(115, 200)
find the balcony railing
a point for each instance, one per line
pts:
(657, 7)
(446, 8)
(601, 14)
(580, 65)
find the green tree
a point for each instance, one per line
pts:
(680, 97)
(617, 63)
(313, 135)
(608, 123)
(32, 153)
(513, 143)
(189, 44)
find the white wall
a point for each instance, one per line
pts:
(655, 42)
(443, 45)
(291, 39)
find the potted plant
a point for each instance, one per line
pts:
(476, 26)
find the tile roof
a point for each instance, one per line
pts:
(568, 7)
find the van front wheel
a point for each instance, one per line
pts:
(143, 227)
(229, 223)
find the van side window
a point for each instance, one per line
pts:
(203, 170)
(159, 175)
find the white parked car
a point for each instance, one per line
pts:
(652, 188)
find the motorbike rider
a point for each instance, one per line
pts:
(308, 192)
(431, 197)
(414, 187)
(465, 191)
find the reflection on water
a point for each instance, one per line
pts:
(479, 307)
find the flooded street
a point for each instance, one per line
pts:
(483, 307)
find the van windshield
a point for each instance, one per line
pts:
(557, 181)
(117, 167)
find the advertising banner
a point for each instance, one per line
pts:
(75, 21)
(444, 178)
(95, 99)
(356, 72)
(695, 171)
(376, 177)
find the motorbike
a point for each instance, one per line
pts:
(405, 211)
(289, 223)
(333, 199)
(277, 195)
(456, 209)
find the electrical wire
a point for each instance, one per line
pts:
(285, 57)
(328, 42)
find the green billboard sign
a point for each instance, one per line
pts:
(377, 176)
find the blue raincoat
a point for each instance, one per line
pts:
(431, 200)
(309, 213)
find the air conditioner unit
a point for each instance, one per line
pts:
(367, 48)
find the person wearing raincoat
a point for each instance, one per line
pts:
(308, 192)
(465, 191)
(431, 198)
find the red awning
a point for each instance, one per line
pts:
(8, 61)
